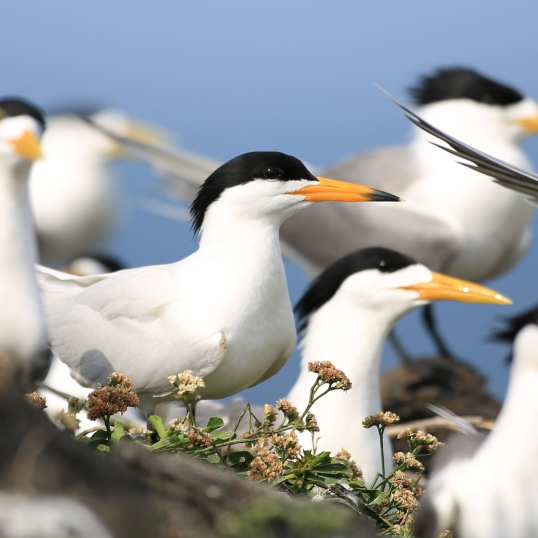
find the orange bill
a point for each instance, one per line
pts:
(444, 287)
(530, 123)
(27, 146)
(330, 190)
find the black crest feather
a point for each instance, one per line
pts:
(12, 106)
(327, 284)
(241, 170)
(462, 83)
(512, 327)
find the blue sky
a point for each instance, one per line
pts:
(236, 76)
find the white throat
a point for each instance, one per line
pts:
(334, 334)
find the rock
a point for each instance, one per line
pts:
(132, 492)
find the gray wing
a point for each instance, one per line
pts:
(505, 174)
(390, 169)
(323, 233)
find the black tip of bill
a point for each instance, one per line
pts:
(381, 196)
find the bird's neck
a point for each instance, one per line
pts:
(522, 397)
(352, 339)
(225, 230)
(17, 235)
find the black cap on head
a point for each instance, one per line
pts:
(11, 107)
(326, 285)
(462, 83)
(269, 165)
(512, 327)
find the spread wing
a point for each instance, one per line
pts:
(122, 321)
(501, 172)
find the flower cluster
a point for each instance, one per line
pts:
(288, 410)
(269, 414)
(311, 423)
(355, 469)
(182, 425)
(138, 431)
(380, 419)
(199, 437)
(286, 443)
(400, 480)
(408, 460)
(265, 466)
(186, 384)
(419, 438)
(113, 398)
(34, 399)
(406, 504)
(329, 374)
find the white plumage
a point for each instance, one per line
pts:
(223, 312)
(73, 189)
(492, 493)
(23, 336)
(371, 289)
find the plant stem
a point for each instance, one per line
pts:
(381, 430)
(106, 420)
(188, 405)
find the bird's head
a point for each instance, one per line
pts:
(388, 285)
(521, 332)
(21, 127)
(471, 106)
(270, 185)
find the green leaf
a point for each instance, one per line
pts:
(241, 456)
(119, 431)
(99, 434)
(282, 479)
(316, 482)
(163, 443)
(158, 423)
(332, 468)
(379, 499)
(224, 435)
(212, 458)
(103, 448)
(240, 460)
(214, 424)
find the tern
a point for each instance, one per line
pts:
(345, 317)
(223, 312)
(73, 191)
(23, 335)
(451, 221)
(492, 491)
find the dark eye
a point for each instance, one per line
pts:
(272, 173)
